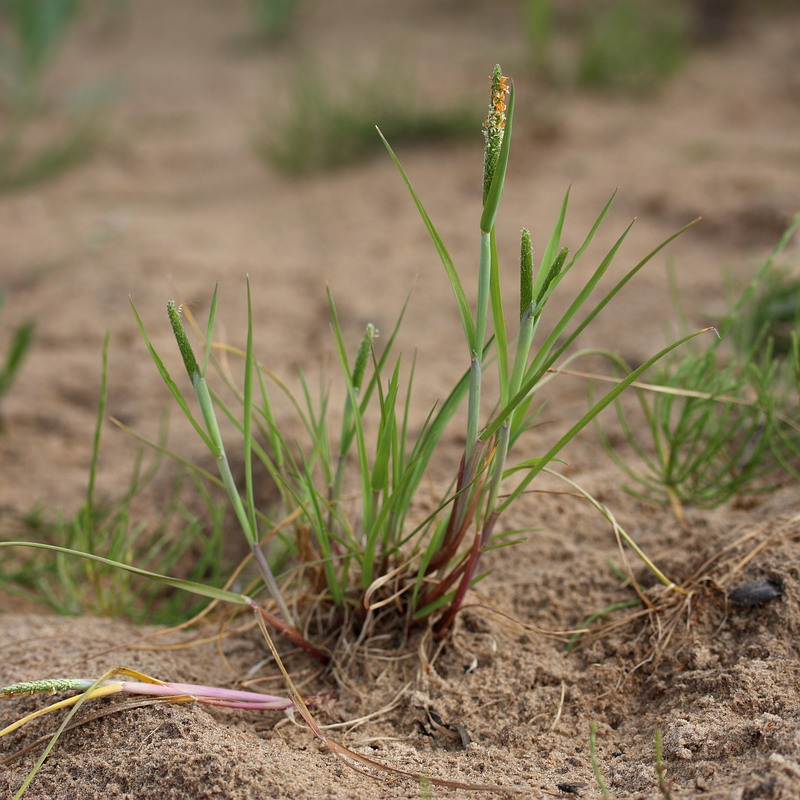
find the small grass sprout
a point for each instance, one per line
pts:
(598, 774)
(663, 784)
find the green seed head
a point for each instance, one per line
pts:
(525, 273)
(553, 273)
(494, 127)
(189, 361)
(364, 349)
(48, 686)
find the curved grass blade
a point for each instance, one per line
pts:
(212, 316)
(160, 448)
(540, 366)
(452, 274)
(590, 415)
(177, 583)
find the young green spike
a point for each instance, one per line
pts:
(189, 361)
(494, 127)
(370, 335)
(525, 274)
(553, 273)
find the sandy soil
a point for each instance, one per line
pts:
(176, 201)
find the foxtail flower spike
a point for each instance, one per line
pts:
(189, 361)
(494, 127)
(525, 274)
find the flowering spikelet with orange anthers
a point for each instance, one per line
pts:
(494, 126)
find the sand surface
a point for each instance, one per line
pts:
(176, 201)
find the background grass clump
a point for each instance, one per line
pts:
(42, 136)
(271, 21)
(327, 119)
(622, 46)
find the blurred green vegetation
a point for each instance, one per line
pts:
(628, 46)
(329, 121)
(40, 137)
(773, 314)
(15, 355)
(272, 20)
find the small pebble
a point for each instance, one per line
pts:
(755, 592)
(571, 788)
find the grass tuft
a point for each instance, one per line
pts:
(328, 122)
(343, 527)
(360, 544)
(41, 139)
(719, 425)
(620, 46)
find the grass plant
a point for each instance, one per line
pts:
(15, 355)
(601, 783)
(328, 122)
(719, 426)
(663, 785)
(362, 551)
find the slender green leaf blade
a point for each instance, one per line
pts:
(452, 274)
(212, 316)
(178, 583)
(604, 401)
(500, 333)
